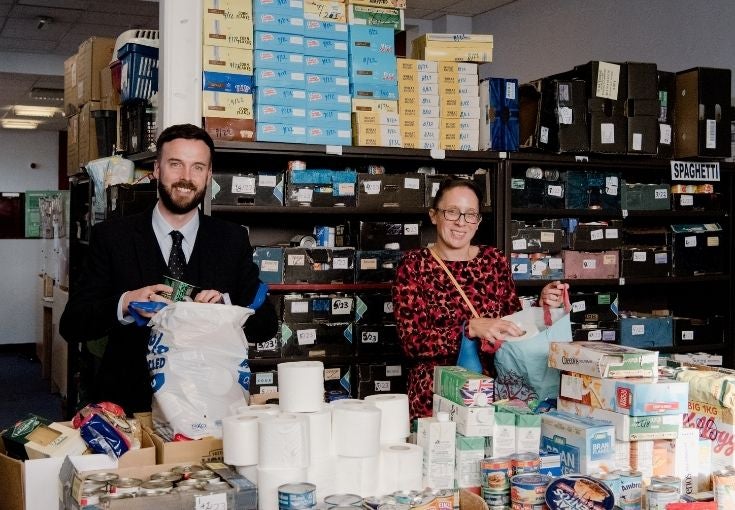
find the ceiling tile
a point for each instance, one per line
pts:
(474, 7)
(417, 12)
(64, 4)
(57, 15)
(26, 28)
(4, 9)
(130, 7)
(26, 45)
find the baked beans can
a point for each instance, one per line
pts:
(658, 496)
(292, 496)
(525, 463)
(613, 482)
(125, 485)
(529, 488)
(342, 500)
(671, 481)
(495, 473)
(723, 483)
(631, 490)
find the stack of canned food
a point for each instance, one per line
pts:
(417, 500)
(512, 480)
(101, 487)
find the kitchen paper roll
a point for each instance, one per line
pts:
(323, 473)
(240, 440)
(357, 475)
(400, 467)
(356, 429)
(249, 472)
(301, 386)
(260, 410)
(283, 441)
(269, 479)
(395, 422)
(320, 433)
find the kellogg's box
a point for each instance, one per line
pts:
(718, 425)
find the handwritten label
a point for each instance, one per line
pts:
(306, 336)
(242, 185)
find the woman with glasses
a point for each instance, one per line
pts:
(429, 308)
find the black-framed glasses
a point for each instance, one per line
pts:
(454, 215)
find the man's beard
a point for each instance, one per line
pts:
(184, 205)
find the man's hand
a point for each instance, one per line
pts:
(209, 296)
(149, 293)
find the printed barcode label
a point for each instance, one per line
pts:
(711, 134)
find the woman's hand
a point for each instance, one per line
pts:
(551, 294)
(492, 329)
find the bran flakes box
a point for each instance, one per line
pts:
(584, 444)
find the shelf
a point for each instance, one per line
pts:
(338, 211)
(142, 157)
(356, 359)
(685, 349)
(631, 280)
(327, 287)
(609, 213)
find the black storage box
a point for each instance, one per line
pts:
(377, 191)
(645, 261)
(316, 339)
(263, 188)
(376, 339)
(373, 379)
(319, 265)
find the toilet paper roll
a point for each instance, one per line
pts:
(320, 433)
(357, 475)
(240, 440)
(283, 441)
(395, 422)
(400, 467)
(249, 472)
(260, 410)
(356, 429)
(269, 479)
(323, 474)
(301, 386)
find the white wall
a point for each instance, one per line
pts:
(21, 258)
(535, 38)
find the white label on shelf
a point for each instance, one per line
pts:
(388, 307)
(621, 280)
(637, 141)
(332, 374)
(269, 266)
(341, 263)
(346, 189)
(597, 234)
(708, 171)
(538, 267)
(267, 181)
(608, 80)
(686, 200)
(341, 306)
(262, 378)
(661, 258)
(411, 229)
(579, 306)
(638, 329)
(306, 336)
(711, 136)
(369, 264)
(296, 260)
(300, 307)
(572, 387)
(369, 337)
(265, 390)
(434, 188)
(382, 386)
(664, 134)
(609, 259)
(607, 133)
(611, 233)
(411, 183)
(611, 185)
(690, 241)
(555, 263)
(565, 115)
(371, 187)
(510, 90)
(660, 194)
(304, 195)
(515, 183)
(393, 371)
(242, 185)
(713, 241)
(687, 334)
(216, 501)
(639, 256)
(589, 263)
(520, 268)
(437, 153)
(547, 237)
(544, 135)
(563, 94)
(554, 190)
(595, 334)
(334, 149)
(624, 213)
(519, 244)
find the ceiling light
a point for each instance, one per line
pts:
(47, 94)
(18, 124)
(35, 111)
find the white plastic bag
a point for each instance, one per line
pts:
(197, 356)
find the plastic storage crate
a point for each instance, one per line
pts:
(139, 72)
(137, 126)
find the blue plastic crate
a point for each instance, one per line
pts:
(139, 74)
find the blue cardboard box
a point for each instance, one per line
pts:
(499, 126)
(286, 133)
(646, 331)
(278, 41)
(295, 98)
(270, 59)
(269, 260)
(316, 100)
(328, 83)
(287, 7)
(366, 39)
(328, 136)
(325, 29)
(329, 119)
(279, 78)
(336, 48)
(226, 82)
(277, 22)
(279, 114)
(314, 64)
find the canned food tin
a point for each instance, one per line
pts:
(168, 476)
(102, 477)
(92, 486)
(157, 484)
(394, 506)
(186, 469)
(126, 485)
(406, 497)
(496, 498)
(496, 473)
(91, 497)
(343, 500)
(216, 485)
(631, 490)
(188, 482)
(296, 496)
(525, 463)
(658, 496)
(670, 481)
(612, 481)
(529, 488)
(203, 475)
(153, 491)
(522, 506)
(106, 498)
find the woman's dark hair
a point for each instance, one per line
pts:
(186, 131)
(456, 182)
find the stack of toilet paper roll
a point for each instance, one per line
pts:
(348, 446)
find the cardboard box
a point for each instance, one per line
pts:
(87, 138)
(376, 235)
(594, 306)
(226, 60)
(632, 396)
(689, 331)
(339, 85)
(227, 105)
(471, 421)
(109, 95)
(94, 54)
(321, 188)
(698, 249)
(391, 17)
(380, 339)
(227, 82)
(596, 235)
(464, 387)
(376, 265)
(72, 145)
(71, 107)
(319, 265)
(645, 261)
(604, 331)
(269, 260)
(536, 266)
(603, 360)
(316, 339)
(374, 308)
(586, 265)
(645, 331)
(716, 423)
(499, 122)
(325, 10)
(586, 445)
(667, 105)
(592, 190)
(378, 378)
(207, 449)
(278, 41)
(390, 190)
(627, 428)
(230, 130)
(318, 308)
(528, 239)
(644, 197)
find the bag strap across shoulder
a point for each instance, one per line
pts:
(454, 281)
